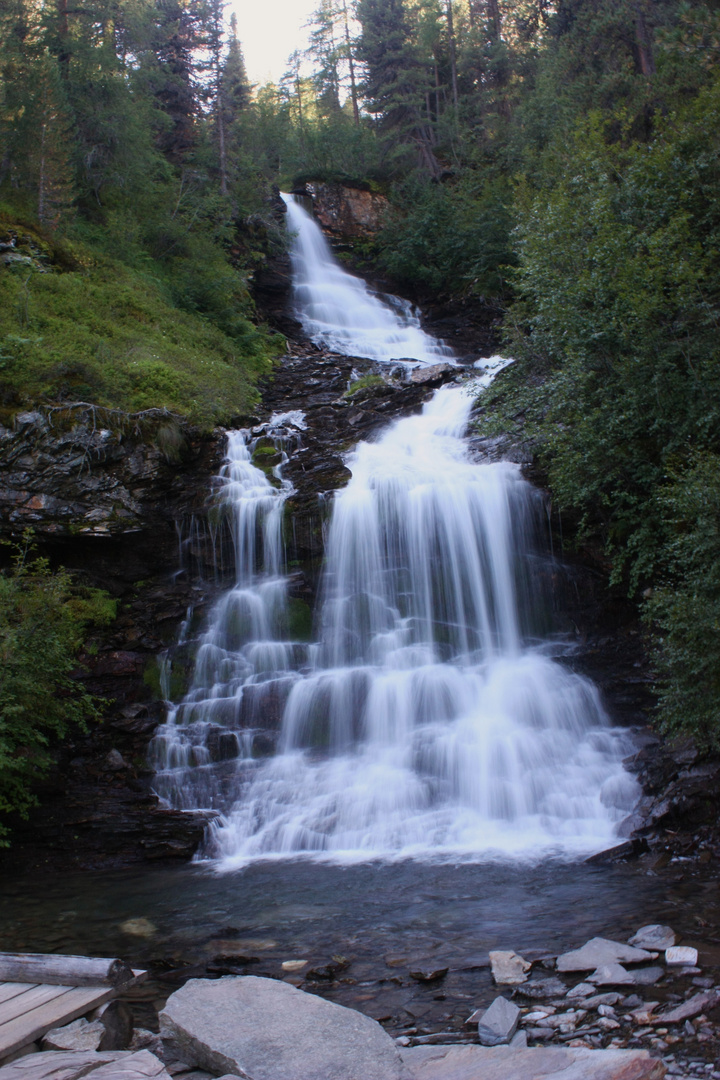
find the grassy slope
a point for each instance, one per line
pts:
(79, 326)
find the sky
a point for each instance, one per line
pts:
(269, 31)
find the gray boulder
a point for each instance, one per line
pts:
(499, 1023)
(599, 951)
(655, 937)
(79, 1035)
(69, 1065)
(536, 1063)
(263, 1029)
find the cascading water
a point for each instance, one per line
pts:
(427, 719)
(338, 310)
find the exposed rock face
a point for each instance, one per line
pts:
(264, 1029)
(348, 212)
(104, 494)
(85, 471)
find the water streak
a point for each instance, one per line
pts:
(428, 718)
(338, 310)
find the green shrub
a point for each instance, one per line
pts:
(43, 618)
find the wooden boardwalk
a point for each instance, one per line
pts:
(28, 1010)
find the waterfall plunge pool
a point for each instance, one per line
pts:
(384, 919)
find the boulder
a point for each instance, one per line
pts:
(499, 1023)
(654, 936)
(79, 1035)
(599, 951)
(536, 1063)
(698, 1003)
(681, 956)
(263, 1029)
(508, 969)
(69, 1065)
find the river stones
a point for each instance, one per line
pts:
(599, 951)
(263, 1029)
(516, 1063)
(617, 975)
(508, 969)
(681, 956)
(697, 1004)
(498, 1023)
(655, 937)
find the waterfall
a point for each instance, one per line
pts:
(339, 311)
(428, 717)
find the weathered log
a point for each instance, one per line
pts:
(57, 970)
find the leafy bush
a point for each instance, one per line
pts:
(684, 609)
(618, 375)
(43, 617)
(453, 240)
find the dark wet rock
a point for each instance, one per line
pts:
(427, 975)
(541, 989)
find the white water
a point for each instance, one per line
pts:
(426, 720)
(338, 310)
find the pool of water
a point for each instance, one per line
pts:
(383, 921)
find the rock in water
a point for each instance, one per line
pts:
(509, 969)
(681, 955)
(542, 989)
(655, 937)
(599, 951)
(499, 1023)
(263, 1029)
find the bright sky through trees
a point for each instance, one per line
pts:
(270, 30)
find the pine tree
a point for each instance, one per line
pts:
(396, 82)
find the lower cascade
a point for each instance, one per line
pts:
(429, 717)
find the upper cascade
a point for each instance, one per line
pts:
(339, 311)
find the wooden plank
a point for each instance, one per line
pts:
(58, 970)
(68, 1006)
(33, 999)
(12, 989)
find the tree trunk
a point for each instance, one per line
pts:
(643, 44)
(453, 53)
(351, 63)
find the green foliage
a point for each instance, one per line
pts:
(43, 619)
(452, 239)
(365, 382)
(684, 609)
(617, 381)
(110, 335)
